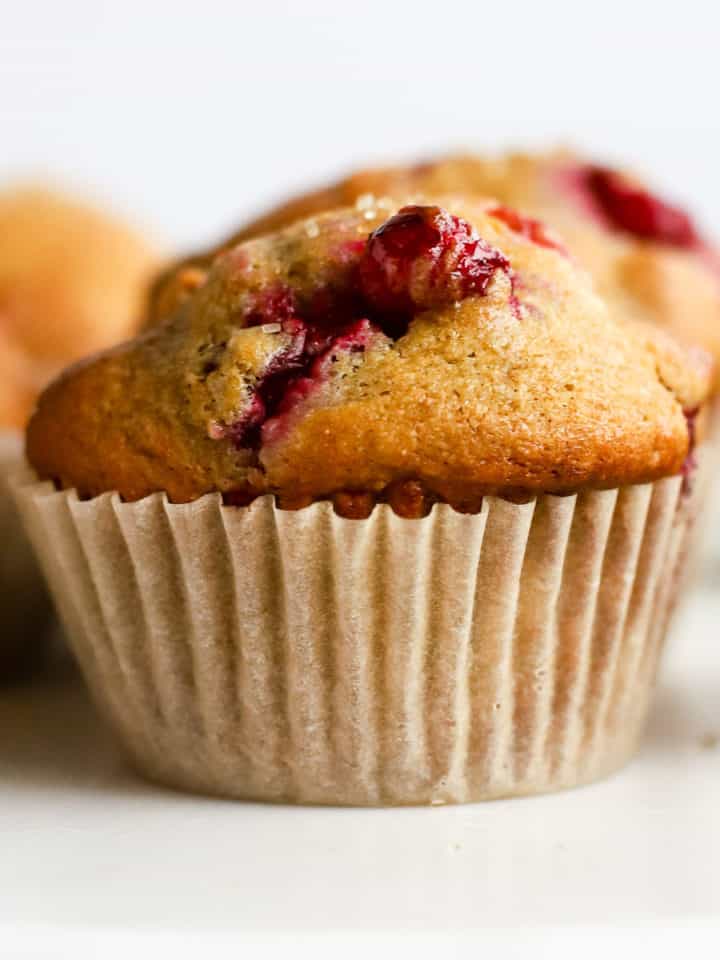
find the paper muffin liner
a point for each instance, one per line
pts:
(705, 541)
(302, 657)
(25, 609)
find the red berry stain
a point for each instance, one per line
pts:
(633, 210)
(425, 257)
(274, 305)
(294, 389)
(293, 374)
(533, 230)
(422, 257)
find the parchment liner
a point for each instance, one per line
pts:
(25, 609)
(299, 656)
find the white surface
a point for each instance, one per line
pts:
(190, 115)
(87, 847)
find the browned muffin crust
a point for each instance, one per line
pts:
(448, 357)
(647, 258)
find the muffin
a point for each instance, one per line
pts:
(390, 510)
(648, 259)
(71, 281)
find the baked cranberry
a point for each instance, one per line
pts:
(421, 257)
(425, 257)
(291, 376)
(353, 339)
(636, 211)
(275, 305)
(533, 230)
(283, 391)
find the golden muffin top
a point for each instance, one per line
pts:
(454, 347)
(647, 257)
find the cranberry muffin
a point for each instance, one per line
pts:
(315, 361)
(647, 257)
(389, 510)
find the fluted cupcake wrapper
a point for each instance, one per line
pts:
(25, 609)
(300, 656)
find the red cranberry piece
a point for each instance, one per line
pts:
(244, 426)
(533, 230)
(425, 257)
(291, 376)
(285, 393)
(274, 305)
(636, 211)
(353, 339)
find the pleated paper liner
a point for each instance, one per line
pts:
(705, 540)
(303, 657)
(25, 609)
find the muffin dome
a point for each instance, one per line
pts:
(647, 257)
(71, 281)
(393, 352)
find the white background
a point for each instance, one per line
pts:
(187, 116)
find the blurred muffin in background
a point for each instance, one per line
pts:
(647, 257)
(72, 280)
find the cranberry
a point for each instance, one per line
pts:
(274, 305)
(634, 210)
(533, 230)
(425, 257)
(421, 257)
(291, 376)
(353, 339)
(284, 390)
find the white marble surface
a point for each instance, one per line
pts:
(87, 847)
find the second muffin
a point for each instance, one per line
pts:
(72, 280)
